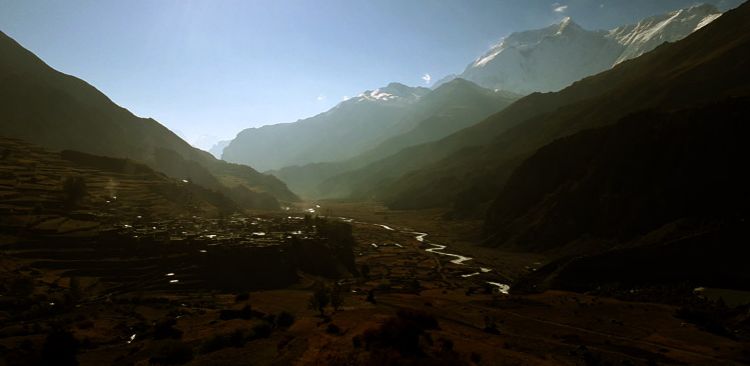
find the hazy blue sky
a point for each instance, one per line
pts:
(208, 69)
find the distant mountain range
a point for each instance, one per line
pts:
(58, 111)
(352, 126)
(452, 107)
(370, 131)
(554, 57)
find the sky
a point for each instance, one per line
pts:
(208, 69)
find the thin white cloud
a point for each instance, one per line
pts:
(558, 8)
(321, 98)
(345, 98)
(427, 78)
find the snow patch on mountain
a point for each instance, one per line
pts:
(394, 92)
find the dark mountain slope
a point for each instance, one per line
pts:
(708, 65)
(451, 107)
(59, 111)
(627, 179)
(658, 197)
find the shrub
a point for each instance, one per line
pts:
(164, 329)
(270, 319)
(245, 313)
(401, 332)
(446, 345)
(60, 348)
(371, 297)
(75, 289)
(213, 344)
(333, 329)
(221, 341)
(284, 319)
(237, 338)
(242, 297)
(262, 330)
(320, 298)
(707, 318)
(365, 271)
(21, 287)
(490, 325)
(171, 352)
(74, 189)
(337, 296)
(85, 324)
(420, 318)
(475, 358)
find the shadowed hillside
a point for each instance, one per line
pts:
(660, 197)
(68, 190)
(59, 111)
(625, 180)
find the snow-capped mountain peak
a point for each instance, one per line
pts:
(553, 57)
(528, 40)
(567, 25)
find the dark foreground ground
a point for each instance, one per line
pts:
(72, 298)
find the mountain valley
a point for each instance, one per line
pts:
(573, 197)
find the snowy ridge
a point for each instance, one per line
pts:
(394, 92)
(671, 27)
(552, 58)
